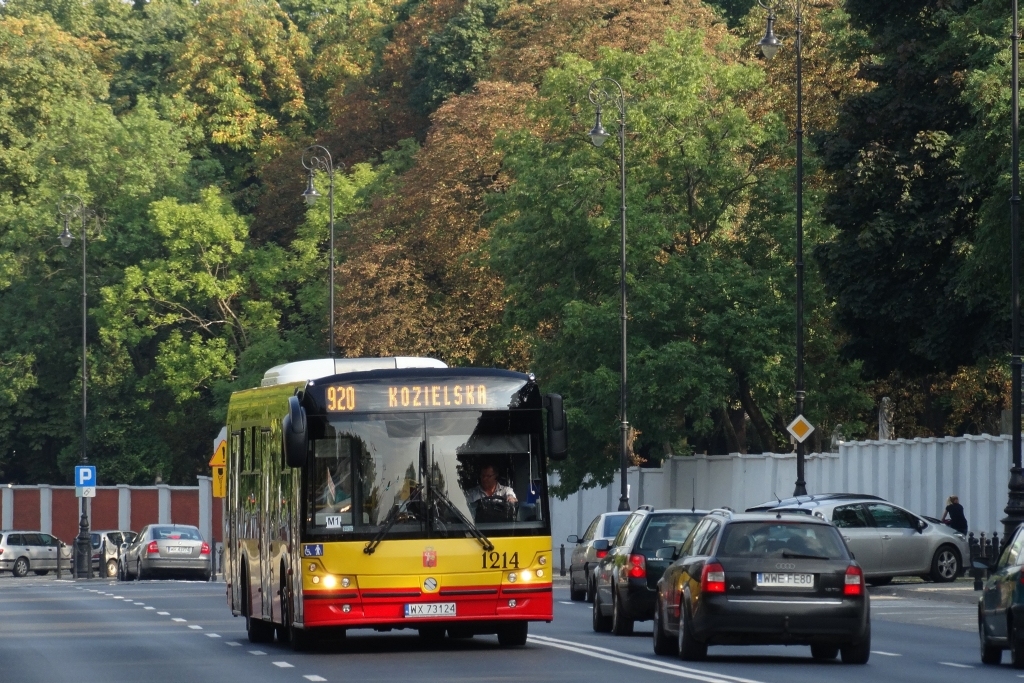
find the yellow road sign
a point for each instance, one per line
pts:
(800, 428)
(220, 456)
(220, 482)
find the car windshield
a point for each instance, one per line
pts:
(420, 474)
(781, 539)
(612, 524)
(668, 529)
(161, 533)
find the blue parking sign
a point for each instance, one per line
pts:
(85, 475)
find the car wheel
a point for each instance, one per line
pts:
(513, 635)
(622, 625)
(945, 565)
(591, 589)
(138, 570)
(879, 581)
(689, 648)
(989, 653)
(1016, 647)
(41, 572)
(859, 651)
(576, 595)
(824, 651)
(663, 643)
(20, 567)
(111, 567)
(601, 623)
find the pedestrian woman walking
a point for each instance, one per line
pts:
(954, 515)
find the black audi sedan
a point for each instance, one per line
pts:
(763, 579)
(626, 578)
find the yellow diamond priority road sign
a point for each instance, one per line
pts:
(800, 428)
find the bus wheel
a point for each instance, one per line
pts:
(514, 634)
(432, 635)
(258, 630)
(301, 639)
(284, 630)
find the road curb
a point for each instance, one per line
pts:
(958, 593)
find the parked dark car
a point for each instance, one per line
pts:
(1001, 608)
(585, 557)
(626, 579)
(763, 579)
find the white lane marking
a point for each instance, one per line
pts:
(314, 677)
(233, 643)
(164, 614)
(179, 620)
(257, 652)
(213, 635)
(150, 608)
(885, 654)
(117, 597)
(195, 627)
(284, 665)
(139, 603)
(639, 662)
(563, 602)
(956, 666)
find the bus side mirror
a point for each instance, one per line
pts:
(296, 434)
(558, 433)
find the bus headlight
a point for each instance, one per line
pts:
(527, 575)
(330, 581)
(543, 559)
(512, 577)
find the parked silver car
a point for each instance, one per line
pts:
(889, 541)
(106, 550)
(585, 558)
(166, 549)
(25, 551)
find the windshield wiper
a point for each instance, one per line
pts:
(389, 522)
(477, 534)
(799, 556)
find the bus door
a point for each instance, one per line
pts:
(231, 545)
(268, 527)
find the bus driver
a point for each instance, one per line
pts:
(489, 487)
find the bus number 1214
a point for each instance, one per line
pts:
(495, 560)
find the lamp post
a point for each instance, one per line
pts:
(317, 158)
(71, 206)
(769, 46)
(600, 98)
(1015, 499)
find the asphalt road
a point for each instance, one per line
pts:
(54, 631)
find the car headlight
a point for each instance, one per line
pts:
(960, 536)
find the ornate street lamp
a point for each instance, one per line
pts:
(71, 206)
(769, 46)
(1015, 499)
(317, 158)
(601, 98)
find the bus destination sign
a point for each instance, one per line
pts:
(471, 393)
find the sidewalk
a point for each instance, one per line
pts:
(960, 592)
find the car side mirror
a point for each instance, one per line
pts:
(573, 539)
(921, 525)
(666, 553)
(601, 544)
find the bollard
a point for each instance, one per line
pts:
(60, 551)
(562, 560)
(975, 556)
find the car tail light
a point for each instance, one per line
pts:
(712, 578)
(205, 550)
(637, 567)
(1, 551)
(152, 548)
(854, 584)
(600, 553)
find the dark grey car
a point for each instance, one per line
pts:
(167, 549)
(584, 556)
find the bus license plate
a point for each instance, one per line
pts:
(785, 580)
(430, 609)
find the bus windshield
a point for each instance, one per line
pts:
(428, 475)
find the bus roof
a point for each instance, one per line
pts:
(316, 368)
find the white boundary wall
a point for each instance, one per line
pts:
(918, 474)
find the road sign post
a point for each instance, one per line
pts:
(219, 463)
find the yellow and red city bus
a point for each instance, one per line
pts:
(357, 497)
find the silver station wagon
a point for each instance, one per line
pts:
(166, 550)
(889, 541)
(25, 551)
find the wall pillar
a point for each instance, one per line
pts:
(206, 507)
(163, 504)
(46, 508)
(124, 507)
(6, 508)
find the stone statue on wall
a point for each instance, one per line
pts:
(885, 415)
